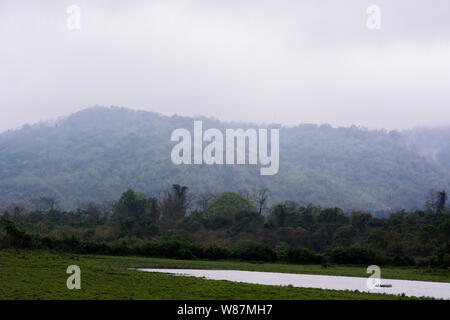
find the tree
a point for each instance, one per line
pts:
(278, 214)
(203, 199)
(332, 215)
(442, 198)
(359, 220)
(45, 203)
(135, 214)
(42, 227)
(153, 209)
(175, 203)
(435, 201)
(222, 210)
(16, 212)
(260, 197)
(444, 228)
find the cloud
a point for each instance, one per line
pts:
(260, 61)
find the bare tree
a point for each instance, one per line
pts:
(44, 203)
(260, 197)
(203, 199)
(15, 212)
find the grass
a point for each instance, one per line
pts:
(42, 275)
(401, 273)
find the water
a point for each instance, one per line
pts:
(409, 288)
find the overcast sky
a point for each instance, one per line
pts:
(277, 61)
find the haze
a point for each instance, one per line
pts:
(287, 62)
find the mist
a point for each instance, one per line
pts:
(285, 62)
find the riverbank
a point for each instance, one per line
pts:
(388, 272)
(409, 288)
(42, 275)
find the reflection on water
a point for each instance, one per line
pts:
(409, 288)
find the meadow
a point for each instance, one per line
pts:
(39, 274)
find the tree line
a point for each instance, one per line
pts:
(234, 225)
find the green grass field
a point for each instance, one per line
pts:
(42, 275)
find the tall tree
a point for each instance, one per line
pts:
(441, 200)
(175, 203)
(436, 201)
(260, 197)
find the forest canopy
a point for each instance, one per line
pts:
(229, 226)
(95, 154)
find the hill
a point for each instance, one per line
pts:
(97, 153)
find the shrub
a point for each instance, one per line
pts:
(253, 251)
(215, 252)
(303, 255)
(355, 254)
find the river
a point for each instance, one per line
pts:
(408, 287)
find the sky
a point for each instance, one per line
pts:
(263, 61)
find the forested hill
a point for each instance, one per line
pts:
(97, 153)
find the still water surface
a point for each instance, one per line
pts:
(409, 288)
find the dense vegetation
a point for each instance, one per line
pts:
(233, 226)
(95, 154)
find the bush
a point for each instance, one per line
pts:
(303, 255)
(282, 250)
(253, 251)
(403, 261)
(215, 252)
(355, 254)
(17, 238)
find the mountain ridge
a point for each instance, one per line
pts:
(97, 153)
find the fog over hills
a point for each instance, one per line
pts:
(97, 153)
